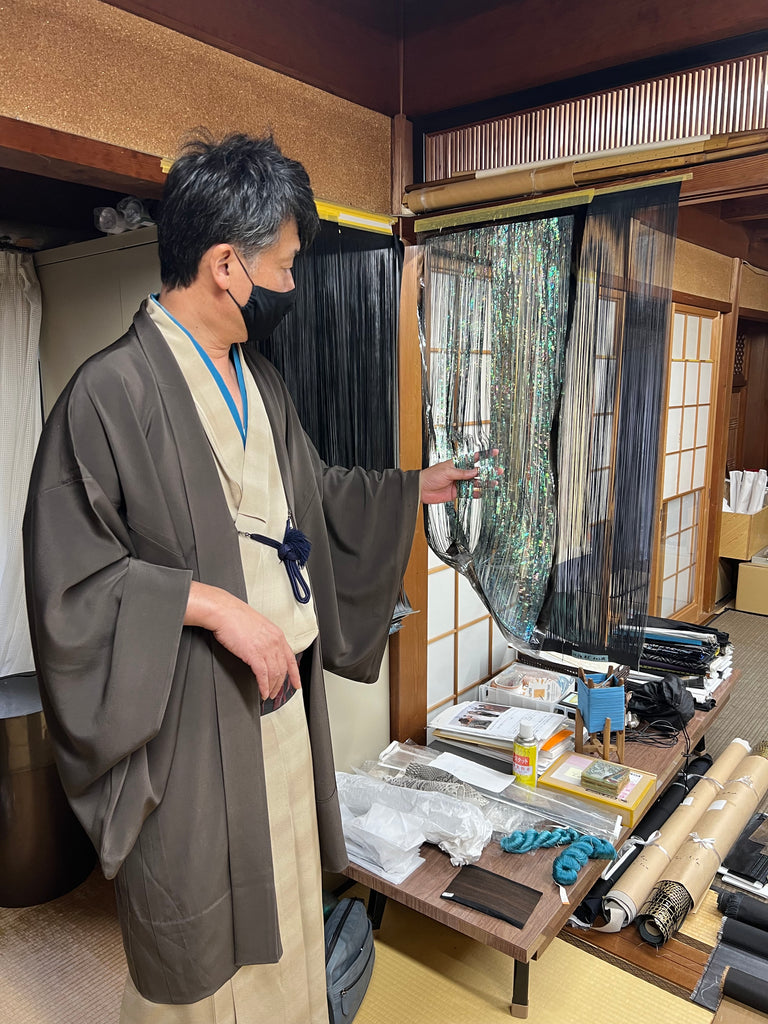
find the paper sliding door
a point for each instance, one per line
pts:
(686, 467)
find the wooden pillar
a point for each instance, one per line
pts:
(408, 648)
(721, 406)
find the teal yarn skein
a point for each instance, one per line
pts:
(521, 841)
(567, 864)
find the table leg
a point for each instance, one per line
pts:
(519, 1005)
(376, 903)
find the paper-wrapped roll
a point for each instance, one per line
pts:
(623, 902)
(695, 863)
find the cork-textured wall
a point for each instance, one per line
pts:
(83, 67)
(700, 271)
(753, 293)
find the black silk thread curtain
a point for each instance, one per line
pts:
(337, 350)
(610, 422)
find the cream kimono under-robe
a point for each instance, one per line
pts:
(292, 991)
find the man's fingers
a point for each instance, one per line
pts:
(486, 453)
(294, 677)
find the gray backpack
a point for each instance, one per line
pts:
(349, 956)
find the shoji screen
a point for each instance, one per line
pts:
(464, 645)
(693, 366)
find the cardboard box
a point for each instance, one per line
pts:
(752, 588)
(742, 536)
(565, 776)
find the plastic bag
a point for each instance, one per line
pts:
(457, 827)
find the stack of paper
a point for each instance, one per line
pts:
(495, 725)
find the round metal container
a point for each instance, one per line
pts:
(44, 851)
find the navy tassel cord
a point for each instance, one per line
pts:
(566, 866)
(293, 552)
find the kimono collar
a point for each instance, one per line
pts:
(240, 423)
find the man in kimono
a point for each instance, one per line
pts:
(180, 637)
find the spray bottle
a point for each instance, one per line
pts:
(524, 754)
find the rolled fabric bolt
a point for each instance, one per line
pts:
(622, 903)
(740, 907)
(744, 988)
(698, 857)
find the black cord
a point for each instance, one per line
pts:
(654, 734)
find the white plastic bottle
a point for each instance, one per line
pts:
(524, 754)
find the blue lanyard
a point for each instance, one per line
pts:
(241, 424)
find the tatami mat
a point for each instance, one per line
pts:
(62, 963)
(702, 927)
(746, 714)
(427, 974)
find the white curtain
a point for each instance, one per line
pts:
(20, 421)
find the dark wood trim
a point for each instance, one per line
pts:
(408, 648)
(347, 48)
(746, 209)
(402, 159)
(679, 970)
(35, 149)
(722, 411)
(746, 313)
(702, 301)
(701, 224)
(733, 178)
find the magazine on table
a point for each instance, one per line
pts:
(494, 724)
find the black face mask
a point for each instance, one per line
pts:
(264, 309)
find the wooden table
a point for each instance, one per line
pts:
(421, 890)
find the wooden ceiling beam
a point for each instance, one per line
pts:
(34, 149)
(754, 207)
(726, 179)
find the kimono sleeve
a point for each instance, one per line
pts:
(369, 522)
(105, 629)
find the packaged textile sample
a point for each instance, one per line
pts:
(545, 339)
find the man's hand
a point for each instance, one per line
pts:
(438, 482)
(247, 634)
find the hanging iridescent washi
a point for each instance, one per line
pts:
(493, 323)
(572, 518)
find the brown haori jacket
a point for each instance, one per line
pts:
(155, 725)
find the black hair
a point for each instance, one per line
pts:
(240, 190)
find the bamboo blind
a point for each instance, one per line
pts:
(723, 98)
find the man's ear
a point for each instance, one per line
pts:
(217, 264)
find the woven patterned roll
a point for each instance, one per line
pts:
(663, 913)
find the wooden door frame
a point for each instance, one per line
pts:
(728, 331)
(709, 517)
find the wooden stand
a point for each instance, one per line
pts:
(598, 743)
